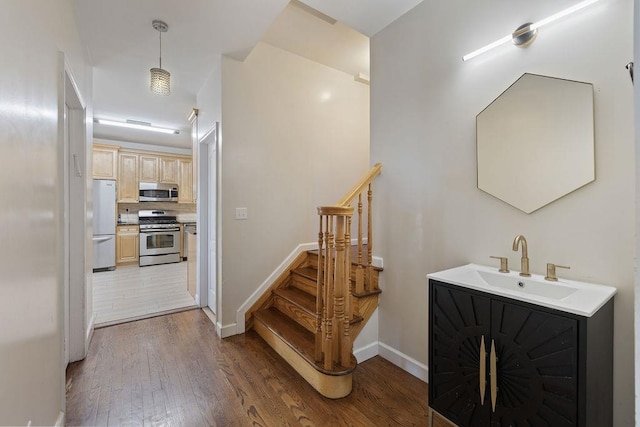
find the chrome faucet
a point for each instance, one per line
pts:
(524, 262)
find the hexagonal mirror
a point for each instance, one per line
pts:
(535, 142)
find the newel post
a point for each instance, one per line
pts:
(337, 342)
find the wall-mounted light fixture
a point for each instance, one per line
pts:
(525, 34)
(134, 124)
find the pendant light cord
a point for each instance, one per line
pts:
(160, 32)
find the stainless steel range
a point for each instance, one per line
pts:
(159, 237)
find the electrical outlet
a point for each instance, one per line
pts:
(241, 213)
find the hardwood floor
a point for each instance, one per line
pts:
(172, 370)
(132, 292)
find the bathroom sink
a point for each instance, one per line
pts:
(553, 290)
(569, 296)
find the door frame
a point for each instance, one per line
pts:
(72, 164)
(209, 185)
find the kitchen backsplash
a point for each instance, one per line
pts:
(176, 207)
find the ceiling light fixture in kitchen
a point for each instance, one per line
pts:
(160, 79)
(134, 124)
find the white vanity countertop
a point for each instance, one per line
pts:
(570, 296)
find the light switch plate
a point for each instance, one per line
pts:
(241, 213)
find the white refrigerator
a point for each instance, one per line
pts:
(104, 224)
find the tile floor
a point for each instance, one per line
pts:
(132, 292)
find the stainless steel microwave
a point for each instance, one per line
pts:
(156, 192)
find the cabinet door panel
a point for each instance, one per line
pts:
(169, 170)
(458, 320)
(128, 184)
(537, 366)
(185, 190)
(149, 168)
(105, 161)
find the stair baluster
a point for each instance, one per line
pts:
(319, 298)
(369, 281)
(359, 268)
(329, 311)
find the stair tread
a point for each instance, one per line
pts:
(297, 337)
(302, 299)
(308, 272)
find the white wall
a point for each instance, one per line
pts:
(209, 99)
(31, 34)
(295, 136)
(424, 100)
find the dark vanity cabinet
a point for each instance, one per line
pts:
(495, 361)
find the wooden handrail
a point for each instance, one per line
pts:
(351, 195)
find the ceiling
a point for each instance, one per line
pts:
(123, 46)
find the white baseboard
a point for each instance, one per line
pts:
(90, 329)
(377, 261)
(89, 336)
(406, 363)
(226, 330)
(366, 352)
(59, 420)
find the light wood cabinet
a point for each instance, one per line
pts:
(185, 190)
(105, 162)
(156, 168)
(149, 168)
(127, 244)
(169, 170)
(128, 183)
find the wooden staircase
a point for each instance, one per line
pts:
(314, 311)
(287, 321)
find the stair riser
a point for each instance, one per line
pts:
(304, 284)
(297, 314)
(309, 286)
(331, 386)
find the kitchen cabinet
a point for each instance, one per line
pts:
(157, 168)
(185, 194)
(496, 361)
(149, 168)
(169, 170)
(127, 244)
(128, 181)
(105, 161)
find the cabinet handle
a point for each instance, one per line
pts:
(494, 376)
(483, 370)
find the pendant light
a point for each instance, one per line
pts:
(160, 79)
